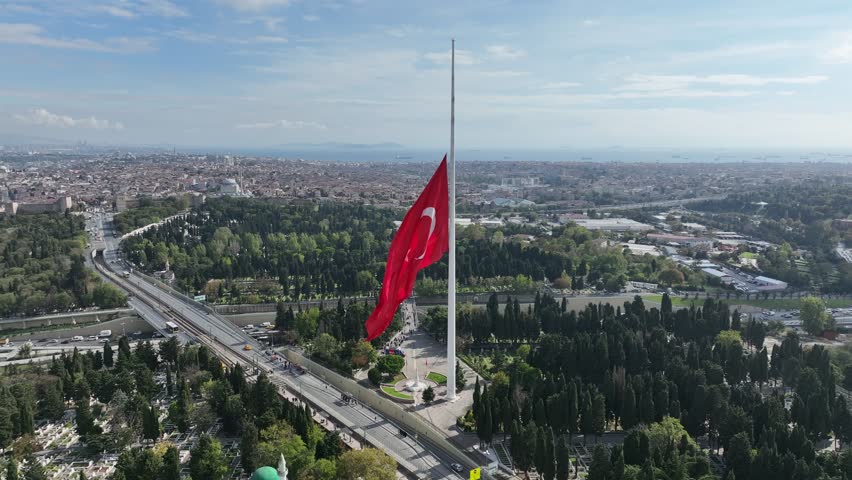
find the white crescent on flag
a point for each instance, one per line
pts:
(427, 212)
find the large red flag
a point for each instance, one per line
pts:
(420, 241)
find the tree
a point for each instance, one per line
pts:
(485, 423)
(108, 360)
(331, 446)
(150, 423)
(170, 350)
(629, 413)
(390, 364)
(563, 459)
(232, 420)
(248, 447)
(170, 469)
(322, 469)
(600, 468)
(366, 464)
(598, 414)
(375, 376)
(12, 469)
(52, 405)
(460, 380)
(671, 276)
(738, 454)
(363, 354)
(815, 319)
(85, 420)
(428, 394)
(326, 347)
(207, 460)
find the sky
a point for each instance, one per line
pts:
(534, 74)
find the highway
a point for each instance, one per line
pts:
(157, 304)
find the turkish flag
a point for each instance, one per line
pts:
(420, 241)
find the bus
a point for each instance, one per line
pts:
(172, 327)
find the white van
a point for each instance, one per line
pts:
(77, 338)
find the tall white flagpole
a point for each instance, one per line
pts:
(451, 274)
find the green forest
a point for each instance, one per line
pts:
(668, 379)
(116, 394)
(149, 211)
(42, 268)
(250, 250)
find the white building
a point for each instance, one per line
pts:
(230, 187)
(613, 225)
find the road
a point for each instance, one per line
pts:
(156, 304)
(634, 206)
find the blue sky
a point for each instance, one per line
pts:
(530, 74)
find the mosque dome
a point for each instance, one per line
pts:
(265, 473)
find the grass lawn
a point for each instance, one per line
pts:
(392, 392)
(777, 304)
(437, 378)
(748, 255)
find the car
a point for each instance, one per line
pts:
(457, 467)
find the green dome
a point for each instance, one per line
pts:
(265, 473)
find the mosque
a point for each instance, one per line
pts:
(269, 473)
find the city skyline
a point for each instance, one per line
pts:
(261, 73)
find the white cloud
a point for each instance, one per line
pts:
(254, 5)
(842, 51)
(40, 116)
(284, 124)
(17, 8)
(560, 85)
(115, 11)
(30, 34)
(505, 52)
(646, 83)
(311, 18)
(190, 36)
(162, 8)
(785, 93)
(590, 23)
(270, 23)
(731, 51)
(463, 57)
(270, 39)
(504, 73)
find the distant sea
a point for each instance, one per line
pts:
(603, 156)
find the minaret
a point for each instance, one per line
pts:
(282, 468)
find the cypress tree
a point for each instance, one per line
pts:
(108, 359)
